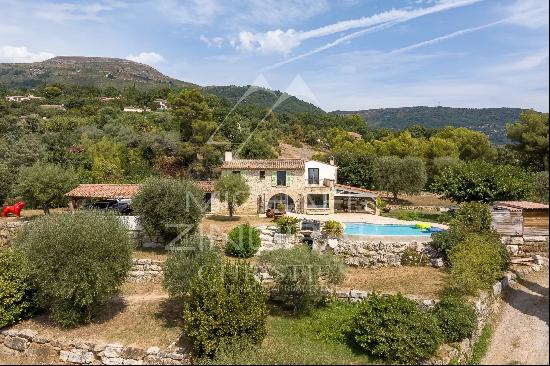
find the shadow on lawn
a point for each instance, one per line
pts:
(171, 312)
(103, 315)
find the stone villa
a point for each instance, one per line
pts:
(302, 186)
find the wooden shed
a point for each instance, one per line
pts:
(520, 218)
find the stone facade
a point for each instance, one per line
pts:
(261, 177)
(27, 342)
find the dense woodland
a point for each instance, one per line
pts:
(100, 143)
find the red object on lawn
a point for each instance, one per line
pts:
(15, 209)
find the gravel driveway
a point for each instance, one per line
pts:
(521, 332)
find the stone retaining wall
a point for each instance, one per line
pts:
(524, 245)
(145, 270)
(8, 229)
(29, 343)
(377, 254)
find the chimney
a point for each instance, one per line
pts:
(228, 156)
(331, 161)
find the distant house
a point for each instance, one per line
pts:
(162, 103)
(21, 98)
(136, 109)
(59, 107)
(107, 99)
(355, 135)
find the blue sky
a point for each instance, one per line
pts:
(347, 54)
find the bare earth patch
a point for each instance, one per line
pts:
(142, 317)
(216, 225)
(520, 335)
(424, 282)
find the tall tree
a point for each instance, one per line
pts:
(530, 138)
(188, 107)
(484, 182)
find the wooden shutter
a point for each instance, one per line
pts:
(288, 179)
(274, 179)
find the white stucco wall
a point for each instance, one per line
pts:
(326, 171)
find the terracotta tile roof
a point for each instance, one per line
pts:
(522, 205)
(205, 185)
(343, 186)
(271, 164)
(104, 191)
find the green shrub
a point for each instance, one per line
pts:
(333, 228)
(298, 272)
(169, 207)
(185, 262)
(394, 328)
(243, 241)
(411, 257)
(16, 292)
(444, 241)
(78, 262)
(288, 224)
(477, 262)
(474, 216)
(225, 304)
(455, 317)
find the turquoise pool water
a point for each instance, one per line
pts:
(361, 228)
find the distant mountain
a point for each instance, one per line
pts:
(104, 72)
(491, 121)
(98, 71)
(264, 98)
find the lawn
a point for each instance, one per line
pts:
(318, 338)
(424, 282)
(409, 215)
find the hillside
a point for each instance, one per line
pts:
(263, 98)
(491, 121)
(98, 71)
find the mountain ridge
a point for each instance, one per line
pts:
(491, 121)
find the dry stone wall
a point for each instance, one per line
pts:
(8, 230)
(145, 270)
(29, 343)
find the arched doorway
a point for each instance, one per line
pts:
(284, 199)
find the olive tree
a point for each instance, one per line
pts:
(395, 174)
(44, 185)
(169, 207)
(232, 189)
(77, 261)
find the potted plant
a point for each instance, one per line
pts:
(333, 230)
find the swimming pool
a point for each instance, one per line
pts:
(361, 228)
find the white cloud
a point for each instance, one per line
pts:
(190, 11)
(525, 63)
(82, 11)
(265, 12)
(528, 13)
(212, 42)
(279, 41)
(148, 58)
(22, 54)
